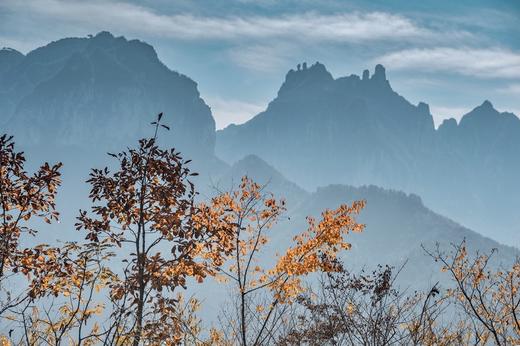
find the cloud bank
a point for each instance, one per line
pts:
(483, 63)
(345, 27)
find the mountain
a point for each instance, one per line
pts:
(321, 130)
(262, 173)
(357, 130)
(479, 163)
(100, 91)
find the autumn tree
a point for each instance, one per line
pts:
(488, 297)
(263, 293)
(146, 211)
(68, 306)
(25, 199)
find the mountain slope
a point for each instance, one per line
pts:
(357, 130)
(398, 226)
(264, 174)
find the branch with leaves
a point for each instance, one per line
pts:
(263, 294)
(23, 197)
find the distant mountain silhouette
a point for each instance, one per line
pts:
(77, 98)
(100, 91)
(353, 130)
(357, 130)
(264, 174)
(397, 224)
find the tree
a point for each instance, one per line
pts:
(69, 286)
(263, 294)
(23, 197)
(489, 298)
(146, 209)
(369, 309)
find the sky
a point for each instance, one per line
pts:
(452, 55)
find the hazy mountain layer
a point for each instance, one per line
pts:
(357, 130)
(398, 226)
(262, 173)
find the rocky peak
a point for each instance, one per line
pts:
(263, 173)
(481, 114)
(6, 51)
(366, 75)
(448, 127)
(485, 123)
(379, 73)
(305, 76)
(378, 79)
(485, 107)
(423, 108)
(103, 36)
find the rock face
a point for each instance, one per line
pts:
(100, 91)
(478, 160)
(321, 130)
(351, 130)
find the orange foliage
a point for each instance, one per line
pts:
(254, 212)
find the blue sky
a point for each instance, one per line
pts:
(450, 54)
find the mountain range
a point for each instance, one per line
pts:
(321, 142)
(357, 130)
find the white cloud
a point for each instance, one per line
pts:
(263, 58)
(482, 63)
(228, 112)
(119, 16)
(513, 89)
